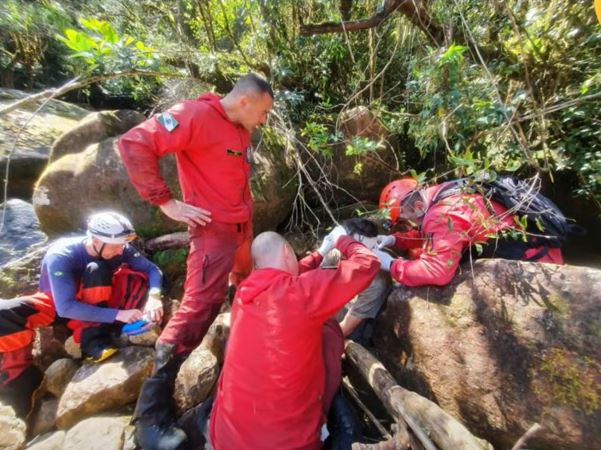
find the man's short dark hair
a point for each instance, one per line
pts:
(253, 83)
(361, 226)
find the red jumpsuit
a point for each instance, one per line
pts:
(271, 390)
(449, 227)
(213, 161)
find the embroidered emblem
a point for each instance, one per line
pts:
(168, 121)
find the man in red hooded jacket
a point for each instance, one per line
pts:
(272, 390)
(446, 228)
(210, 137)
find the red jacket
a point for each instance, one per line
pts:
(269, 392)
(448, 228)
(212, 158)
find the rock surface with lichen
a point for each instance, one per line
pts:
(503, 346)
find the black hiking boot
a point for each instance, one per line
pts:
(154, 417)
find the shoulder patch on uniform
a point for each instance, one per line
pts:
(58, 273)
(168, 121)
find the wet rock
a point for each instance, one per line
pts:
(20, 230)
(20, 277)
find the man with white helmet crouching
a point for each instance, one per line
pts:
(93, 281)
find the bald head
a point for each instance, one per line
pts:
(267, 248)
(270, 249)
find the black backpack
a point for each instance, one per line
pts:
(545, 225)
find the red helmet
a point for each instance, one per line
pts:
(394, 193)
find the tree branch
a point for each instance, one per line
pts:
(76, 84)
(412, 9)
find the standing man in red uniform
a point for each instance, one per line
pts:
(445, 229)
(210, 137)
(273, 391)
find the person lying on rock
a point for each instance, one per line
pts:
(356, 317)
(447, 221)
(92, 280)
(282, 366)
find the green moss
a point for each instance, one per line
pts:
(559, 306)
(171, 261)
(565, 378)
(460, 307)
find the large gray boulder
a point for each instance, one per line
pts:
(30, 154)
(502, 347)
(96, 127)
(78, 184)
(20, 230)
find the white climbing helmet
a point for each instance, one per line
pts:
(111, 228)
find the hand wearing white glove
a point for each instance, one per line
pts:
(385, 240)
(385, 259)
(329, 242)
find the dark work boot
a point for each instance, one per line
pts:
(154, 417)
(19, 391)
(343, 424)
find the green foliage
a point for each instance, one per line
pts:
(101, 49)
(517, 88)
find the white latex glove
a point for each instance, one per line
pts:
(153, 309)
(385, 240)
(385, 259)
(329, 242)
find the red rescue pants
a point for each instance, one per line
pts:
(213, 250)
(332, 349)
(19, 318)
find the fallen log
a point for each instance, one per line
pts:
(430, 424)
(173, 240)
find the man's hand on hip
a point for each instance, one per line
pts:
(183, 212)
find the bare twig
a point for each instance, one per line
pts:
(76, 84)
(527, 435)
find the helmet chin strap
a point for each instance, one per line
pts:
(98, 252)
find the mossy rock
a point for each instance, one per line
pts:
(504, 345)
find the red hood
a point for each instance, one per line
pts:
(257, 283)
(215, 102)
